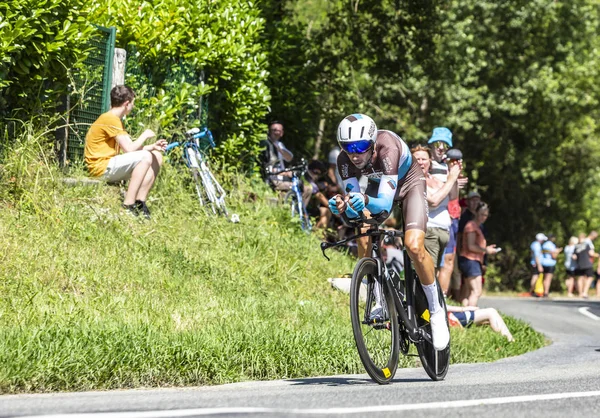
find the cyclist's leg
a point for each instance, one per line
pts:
(364, 243)
(414, 205)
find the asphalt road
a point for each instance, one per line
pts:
(562, 379)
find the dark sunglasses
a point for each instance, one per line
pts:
(440, 144)
(356, 147)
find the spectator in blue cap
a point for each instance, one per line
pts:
(440, 141)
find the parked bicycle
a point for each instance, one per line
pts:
(293, 197)
(404, 318)
(208, 189)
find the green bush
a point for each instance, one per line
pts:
(40, 42)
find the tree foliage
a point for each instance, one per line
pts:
(514, 81)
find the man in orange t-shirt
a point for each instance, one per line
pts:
(137, 163)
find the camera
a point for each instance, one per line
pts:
(453, 154)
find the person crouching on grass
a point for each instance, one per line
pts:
(113, 156)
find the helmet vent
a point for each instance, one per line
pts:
(362, 131)
(350, 132)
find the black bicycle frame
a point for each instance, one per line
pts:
(405, 311)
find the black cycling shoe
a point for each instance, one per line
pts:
(131, 209)
(142, 208)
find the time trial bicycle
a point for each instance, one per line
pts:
(404, 317)
(208, 189)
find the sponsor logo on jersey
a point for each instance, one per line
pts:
(345, 171)
(392, 184)
(373, 175)
(387, 165)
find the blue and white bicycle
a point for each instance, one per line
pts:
(294, 196)
(208, 190)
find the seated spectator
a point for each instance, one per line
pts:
(273, 158)
(318, 205)
(473, 248)
(112, 155)
(464, 316)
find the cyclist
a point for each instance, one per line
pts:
(385, 159)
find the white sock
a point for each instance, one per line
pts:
(431, 291)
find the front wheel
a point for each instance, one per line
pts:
(434, 362)
(376, 337)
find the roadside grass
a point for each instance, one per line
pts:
(91, 298)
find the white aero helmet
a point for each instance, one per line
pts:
(356, 133)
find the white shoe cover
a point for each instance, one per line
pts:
(439, 330)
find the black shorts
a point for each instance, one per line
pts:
(549, 269)
(589, 272)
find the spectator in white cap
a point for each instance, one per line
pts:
(536, 260)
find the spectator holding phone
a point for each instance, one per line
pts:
(474, 247)
(438, 218)
(112, 155)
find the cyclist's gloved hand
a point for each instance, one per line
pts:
(351, 213)
(333, 205)
(357, 201)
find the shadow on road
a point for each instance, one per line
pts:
(343, 381)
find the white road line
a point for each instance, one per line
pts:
(327, 411)
(584, 310)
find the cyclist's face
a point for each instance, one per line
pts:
(276, 131)
(423, 160)
(360, 160)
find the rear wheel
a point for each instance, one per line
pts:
(434, 362)
(376, 340)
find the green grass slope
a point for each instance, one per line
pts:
(91, 298)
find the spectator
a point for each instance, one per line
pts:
(318, 205)
(471, 202)
(549, 254)
(138, 163)
(438, 219)
(440, 141)
(273, 158)
(584, 255)
(536, 261)
(470, 260)
(570, 265)
(335, 181)
(473, 199)
(590, 239)
(467, 315)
